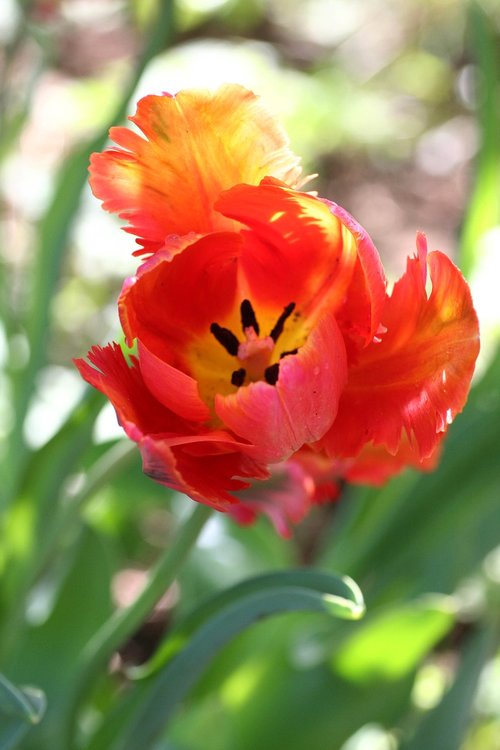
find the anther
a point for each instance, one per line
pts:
(238, 377)
(225, 337)
(278, 328)
(285, 354)
(271, 373)
(248, 319)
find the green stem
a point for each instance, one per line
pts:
(111, 464)
(123, 623)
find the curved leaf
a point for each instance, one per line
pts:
(298, 591)
(345, 601)
(20, 709)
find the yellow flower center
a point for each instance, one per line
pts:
(255, 353)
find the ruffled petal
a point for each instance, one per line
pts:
(208, 466)
(360, 315)
(374, 465)
(195, 145)
(138, 411)
(278, 419)
(412, 383)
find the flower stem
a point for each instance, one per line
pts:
(123, 623)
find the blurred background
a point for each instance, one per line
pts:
(396, 106)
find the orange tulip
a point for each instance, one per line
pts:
(271, 358)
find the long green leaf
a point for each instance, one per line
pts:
(342, 591)
(47, 654)
(47, 469)
(483, 212)
(53, 237)
(173, 683)
(20, 709)
(444, 727)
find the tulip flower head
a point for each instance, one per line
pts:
(271, 360)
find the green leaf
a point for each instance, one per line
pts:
(394, 640)
(343, 598)
(265, 692)
(444, 727)
(47, 654)
(483, 211)
(170, 686)
(20, 709)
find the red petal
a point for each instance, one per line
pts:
(360, 315)
(209, 474)
(416, 379)
(285, 498)
(136, 408)
(207, 466)
(279, 419)
(174, 299)
(173, 388)
(375, 465)
(298, 250)
(196, 144)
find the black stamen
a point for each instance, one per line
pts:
(285, 354)
(248, 318)
(278, 328)
(225, 337)
(238, 377)
(271, 373)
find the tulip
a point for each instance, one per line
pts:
(271, 358)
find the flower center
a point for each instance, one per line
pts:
(255, 352)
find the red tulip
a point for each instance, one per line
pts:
(267, 343)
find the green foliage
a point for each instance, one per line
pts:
(20, 708)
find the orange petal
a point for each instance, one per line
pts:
(359, 317)
(374, 465)
(412, 383)
(196, 144)
(298, 250)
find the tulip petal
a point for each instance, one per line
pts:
(137, 410)
(207, 466)
(278, 419)
(285, 498)
(375, 465)
(208, 475)
(360, 314)
(196, 144)
(412, 383)
(298, 250)
(176, 299)
(173, 388)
